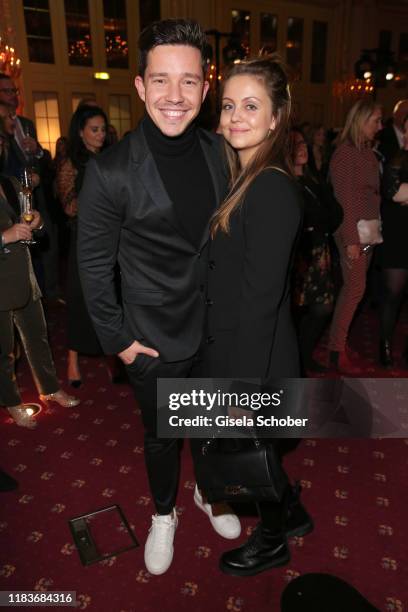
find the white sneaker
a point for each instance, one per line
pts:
(159, 548)
(221, 516)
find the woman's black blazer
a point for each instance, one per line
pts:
(249, 327)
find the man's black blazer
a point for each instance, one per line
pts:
(15, 287)
(389, 144)
(28, 126)
(126, 216)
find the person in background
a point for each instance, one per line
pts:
(26, 152)
(112, 136)
(25, 135)
(8, 120)
(61, 152)
(87, 102)
(355, 177)
(391, 138)
(87, 135)
(20, 305)
(49, 248)
(318, 162)
(16, 161)
(313, 277)
(394, 251)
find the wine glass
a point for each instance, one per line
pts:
(26, 200)
(27, 152)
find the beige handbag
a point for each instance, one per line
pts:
(369, 232)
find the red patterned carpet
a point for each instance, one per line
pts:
(82, 459)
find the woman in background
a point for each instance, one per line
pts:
(394, 251)
(318, 162)
(354, 172)
(87, 134)
(314, 285)
(61, 152)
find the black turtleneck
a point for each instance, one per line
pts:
(183, 169)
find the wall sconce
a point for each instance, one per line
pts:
(102, 76)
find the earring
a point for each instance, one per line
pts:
(269, 133)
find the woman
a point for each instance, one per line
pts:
(314, 287)
(87, 135)
(20, 306)
(61, 152)
(354, 173)
(317, 149)
(250, 330)
(394, 252)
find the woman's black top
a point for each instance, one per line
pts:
(322, 213)
(394, 252)
(250, 331)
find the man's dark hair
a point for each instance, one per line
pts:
(171, 32)
(3, 75)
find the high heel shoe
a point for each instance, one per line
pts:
(61, 398)
(22, 416)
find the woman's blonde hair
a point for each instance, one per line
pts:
(357, 116)
(273, 151)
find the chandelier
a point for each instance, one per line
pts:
(9, 62)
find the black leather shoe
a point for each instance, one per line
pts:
(7, 483)
(261, 552)
(299, 522)
(386, 358)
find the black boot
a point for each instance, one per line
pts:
(386, 358)
(263, 550)
(298, 523)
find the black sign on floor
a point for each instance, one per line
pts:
(102, 534)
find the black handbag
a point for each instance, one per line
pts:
(240, 469)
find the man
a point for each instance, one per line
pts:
(26, 151)
(391, 137)
(9, 120)
(14, 163)
(16, 160)
(25, 133)
(146, 205)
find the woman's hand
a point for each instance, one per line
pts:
(29, 144)
(353, 251)
(19, 231)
